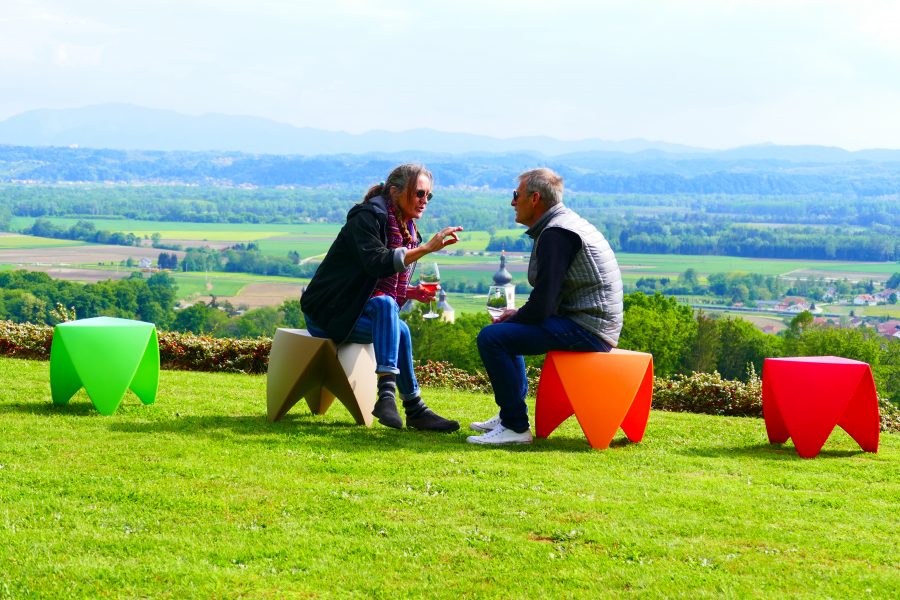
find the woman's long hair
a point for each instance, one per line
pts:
(400, 178)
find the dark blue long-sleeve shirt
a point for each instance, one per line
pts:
(554, 255)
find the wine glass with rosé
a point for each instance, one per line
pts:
(430, 280)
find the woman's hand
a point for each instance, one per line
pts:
(442, 239)
(419, 294)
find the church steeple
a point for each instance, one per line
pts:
(502, 276)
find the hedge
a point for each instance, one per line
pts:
(705, 393)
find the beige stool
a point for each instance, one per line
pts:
(303, 366)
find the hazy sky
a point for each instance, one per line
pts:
(711, 73)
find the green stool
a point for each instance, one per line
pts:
(107, 356)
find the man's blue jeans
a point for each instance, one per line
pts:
(502, 345)
(381, 326)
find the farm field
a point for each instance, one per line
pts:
(311, 239)
(247, 289)
(882, 310)
(91, 262)
(14, 241)
(88, 256)
(197, 495)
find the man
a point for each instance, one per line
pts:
(575, 304)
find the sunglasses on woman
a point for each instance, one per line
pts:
(422, 193)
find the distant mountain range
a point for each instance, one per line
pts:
(128, 127)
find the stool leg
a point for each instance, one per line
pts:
(635, 423)
(776, 428)
(861, 419)
(552, 405)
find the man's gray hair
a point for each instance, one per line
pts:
(546, 182)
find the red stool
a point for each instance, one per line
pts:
(604, 390)
(805, 398)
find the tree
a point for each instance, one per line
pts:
(292, 315)
(255, 323)
(661, 326)
(199, 318)
(741, 344)
(704, 352)
(863, 343)
(5, 218)
(801, 322)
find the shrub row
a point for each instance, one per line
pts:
(706, 393)
(176, 350)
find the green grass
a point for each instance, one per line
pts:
(28, 242)
(190, 284)
(882, 310)
(656, 265)
(198, 496)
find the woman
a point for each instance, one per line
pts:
(356, 294)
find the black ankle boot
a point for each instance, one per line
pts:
(419, 416)
(385, 409)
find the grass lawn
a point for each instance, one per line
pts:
(198, 496)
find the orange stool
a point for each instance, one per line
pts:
(604, 390)
(805, 398)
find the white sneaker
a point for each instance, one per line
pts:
(485, 426)
(499, 436)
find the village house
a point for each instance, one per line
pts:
(884, 296)
(890, 329)
(865, 300)
(792, 304)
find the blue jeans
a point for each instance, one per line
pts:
(381, 326)
(502, 345)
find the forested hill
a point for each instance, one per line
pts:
(760, 171)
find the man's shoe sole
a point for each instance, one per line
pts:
(510, 443)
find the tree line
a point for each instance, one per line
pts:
(244, 258)
(710, 235)
(84, 231)
(749, 287)
(850, 228)
(607, 173)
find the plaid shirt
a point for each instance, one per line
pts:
(396, 284)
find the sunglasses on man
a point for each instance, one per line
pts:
(516, 194)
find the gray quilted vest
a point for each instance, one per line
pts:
(592, 289)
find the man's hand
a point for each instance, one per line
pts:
(419, 294)
(505, 315)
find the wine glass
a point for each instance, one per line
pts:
(430, 279)
(497, 300)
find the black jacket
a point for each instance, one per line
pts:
(345, 280)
